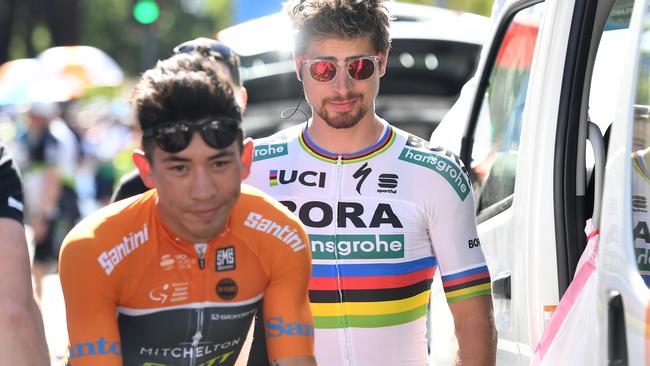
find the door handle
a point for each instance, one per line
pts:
(616, 337)
(501, 286)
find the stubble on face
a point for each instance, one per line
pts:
(341, 120)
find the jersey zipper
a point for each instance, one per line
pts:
(346, 333)
(201, 249)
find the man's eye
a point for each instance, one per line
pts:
(220, 164)
(178, 168)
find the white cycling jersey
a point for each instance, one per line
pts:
(380, 222)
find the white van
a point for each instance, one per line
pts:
(556, 77)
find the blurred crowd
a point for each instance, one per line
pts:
(70, 154)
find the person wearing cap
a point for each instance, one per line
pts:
(175, 276)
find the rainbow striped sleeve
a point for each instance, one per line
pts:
(466, 284)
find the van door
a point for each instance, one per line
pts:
(624, 256)
(510, 138)
(526, 144)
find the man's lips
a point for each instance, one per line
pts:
(204, 213)
(342, 105)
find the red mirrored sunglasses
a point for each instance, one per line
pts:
(324, 71)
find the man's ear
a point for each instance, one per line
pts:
(243, 95)
(144, 168)
(383, 61)
(247, 157)
(297, 60)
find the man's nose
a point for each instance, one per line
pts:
(202, 186)
(342, 81)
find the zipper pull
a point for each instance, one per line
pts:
(339, 160)
(200, 250)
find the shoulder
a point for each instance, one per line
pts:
(105, 227)
(259, 216)
(432, 160)
(277, 144)
(11, 189)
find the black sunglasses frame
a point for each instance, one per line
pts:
(217, 133)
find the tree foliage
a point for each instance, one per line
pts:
(109, 25)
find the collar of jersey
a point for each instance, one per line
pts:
(385, 141)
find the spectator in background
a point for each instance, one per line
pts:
(51, 199)
(22, 339)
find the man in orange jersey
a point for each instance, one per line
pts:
(186, 265)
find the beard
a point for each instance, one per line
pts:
(341, 120)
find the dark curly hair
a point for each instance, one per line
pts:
(319, 19)
(185, 87)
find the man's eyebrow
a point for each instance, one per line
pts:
(330, 58)
(180, 159)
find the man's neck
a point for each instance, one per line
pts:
(345, 140)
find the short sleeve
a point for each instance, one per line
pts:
(287, 316)
(90, 301)
(11, 189)
(453, 232)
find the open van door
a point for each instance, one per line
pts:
(552, 69)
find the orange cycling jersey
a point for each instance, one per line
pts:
(137, 295)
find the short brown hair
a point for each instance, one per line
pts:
(185, 87)
(318, 19)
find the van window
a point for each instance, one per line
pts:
(496, 139)
(641, 158)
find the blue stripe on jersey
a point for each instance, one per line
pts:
(469, 272)
(378, 269)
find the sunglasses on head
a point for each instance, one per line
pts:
(226, 54)
(324, 71)
(174, 137)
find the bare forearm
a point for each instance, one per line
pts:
(476, 346)
(475, 331)
(295, 361)
(22, 339)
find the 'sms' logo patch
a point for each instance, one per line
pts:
(225, 259)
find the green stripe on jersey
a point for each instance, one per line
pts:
(369, 321)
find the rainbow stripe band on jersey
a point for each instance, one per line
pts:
(466, 284)
(385, 141)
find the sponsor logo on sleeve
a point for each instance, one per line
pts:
(276, 327)
(447, 169)
(12, 202)
(285, 233)
(99, 348)
(263, 152)
(225, 259)
(111, 258)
